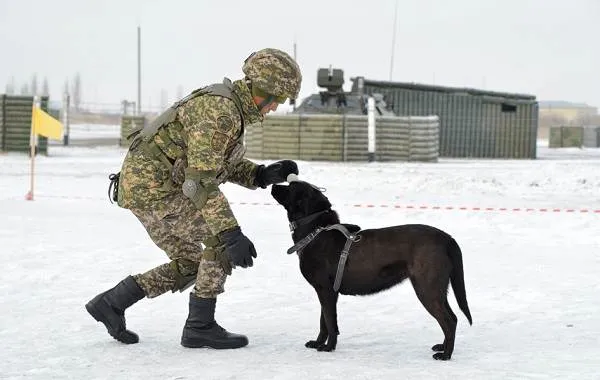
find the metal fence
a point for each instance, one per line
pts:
(320, 137)
(574, 137)
(591, 137)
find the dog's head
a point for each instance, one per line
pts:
(300, 199)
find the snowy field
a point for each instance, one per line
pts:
(528, 232)
(92, 135)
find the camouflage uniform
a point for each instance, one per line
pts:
(210, 130)
(170, 181)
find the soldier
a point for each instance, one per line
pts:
(170, 181)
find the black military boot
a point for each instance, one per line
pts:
(109, 308)
(201, 329)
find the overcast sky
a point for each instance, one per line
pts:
(548, 48)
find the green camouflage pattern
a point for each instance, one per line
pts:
(210, 281)
(178, 171)
(162, 279)
(179, 230)
(243, 174)
(142, 181)
(274, 72)
(208, 135)
(210, 129)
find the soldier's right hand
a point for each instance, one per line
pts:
(275, 173)
(238, 247)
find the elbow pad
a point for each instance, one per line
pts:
(199, 186)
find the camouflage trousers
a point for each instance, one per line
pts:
(179, 231)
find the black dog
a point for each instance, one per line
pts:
(378, 259)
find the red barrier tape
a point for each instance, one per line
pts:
(397, 206)
(461, 208)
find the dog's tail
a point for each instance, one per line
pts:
(457, 278)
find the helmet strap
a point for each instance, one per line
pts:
(268, 100)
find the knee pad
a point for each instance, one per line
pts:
(185, 274)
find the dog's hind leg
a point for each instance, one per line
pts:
(433, 298)
(328, 299)
(440, 347)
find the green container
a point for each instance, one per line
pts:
(473, 123)
(15, 124)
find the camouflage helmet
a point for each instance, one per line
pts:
(274, 72)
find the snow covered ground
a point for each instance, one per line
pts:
(92, 135)
(528, 231)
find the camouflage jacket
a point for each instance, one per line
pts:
(210, 128)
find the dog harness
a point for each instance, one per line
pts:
(350, 238)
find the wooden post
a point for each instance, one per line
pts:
(32, 146)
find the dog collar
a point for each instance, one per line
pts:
(296, 223)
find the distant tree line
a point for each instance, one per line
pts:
(32, 88)
(74, 89)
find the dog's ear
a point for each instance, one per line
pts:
(280, 193)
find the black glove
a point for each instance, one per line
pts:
(238, 247)
(275, 173)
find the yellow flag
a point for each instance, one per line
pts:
(46, 125)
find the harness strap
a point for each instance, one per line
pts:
(299, 246)
(225, 90)
(350, 238)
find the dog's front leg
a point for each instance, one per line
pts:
(322, 337)
(328, 299)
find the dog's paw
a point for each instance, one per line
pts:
(441, 356)
(438, 347)
(325, 348)
(313, 344)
